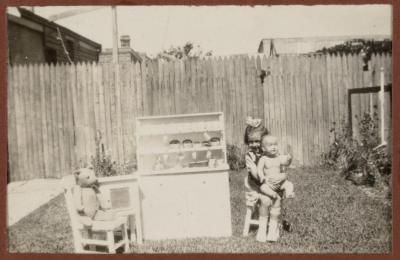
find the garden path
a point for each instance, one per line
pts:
(23, 197)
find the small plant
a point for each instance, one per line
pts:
(102, 164)
(360, 160)
(235, 157)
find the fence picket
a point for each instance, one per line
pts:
(75, 111)
(47, 135)
(70, 124)
(38, 119)
(62, 121)
(12, 146)
(303, 118)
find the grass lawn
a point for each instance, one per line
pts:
(328, 215)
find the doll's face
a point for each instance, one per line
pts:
(270, 145)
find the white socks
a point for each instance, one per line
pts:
(262, 229)
(273, 228)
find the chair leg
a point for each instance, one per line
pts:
(247, 221)
(90, 234)
(111, 242)
(125, 237)
(138, 221)
(131, 228)
(77, 241)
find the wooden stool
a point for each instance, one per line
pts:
(251, 207)
(248, 221)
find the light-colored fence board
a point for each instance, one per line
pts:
(55, 111)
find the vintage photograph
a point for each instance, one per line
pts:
(199, 129)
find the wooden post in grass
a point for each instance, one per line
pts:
(382, 104)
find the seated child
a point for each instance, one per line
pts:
(274, 181)
(252, 138)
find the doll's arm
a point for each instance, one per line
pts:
(77, 195)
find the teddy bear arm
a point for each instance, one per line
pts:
(77, 195)
(104, 203)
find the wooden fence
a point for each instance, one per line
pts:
(54, 112)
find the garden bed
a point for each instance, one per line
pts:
(329, 214)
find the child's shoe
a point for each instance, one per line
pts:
(287, 226)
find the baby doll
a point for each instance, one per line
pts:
(274, 181)
(87, 198)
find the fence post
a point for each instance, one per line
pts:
(382, 104)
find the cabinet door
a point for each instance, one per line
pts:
(120, 195)
(163, 207)
(208, 205)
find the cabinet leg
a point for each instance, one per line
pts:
(139, 235)
(125, 238)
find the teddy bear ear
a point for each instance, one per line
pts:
(77, 172)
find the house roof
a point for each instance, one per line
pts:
(28, 15)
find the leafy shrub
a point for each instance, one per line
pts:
(360, 160)
(102, 164)
(235, 157)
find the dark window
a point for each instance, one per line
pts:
(70, 48)
(51, 55)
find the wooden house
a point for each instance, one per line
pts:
(34, 39)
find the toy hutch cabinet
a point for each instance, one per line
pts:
(182, 164)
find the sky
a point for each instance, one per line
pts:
(223, 29)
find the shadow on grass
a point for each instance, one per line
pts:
(329, 215)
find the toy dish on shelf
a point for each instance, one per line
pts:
(211, 163)
(159, 165)
(206, 143)
(174, 144)
(198, 164)
(187, 143)
(215, 141)
(220, 162)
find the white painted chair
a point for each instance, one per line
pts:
(107, 229)
(251, 206)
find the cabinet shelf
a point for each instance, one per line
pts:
(179, 129)
(179, 150)
(178, 171)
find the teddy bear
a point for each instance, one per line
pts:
(88, 199)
